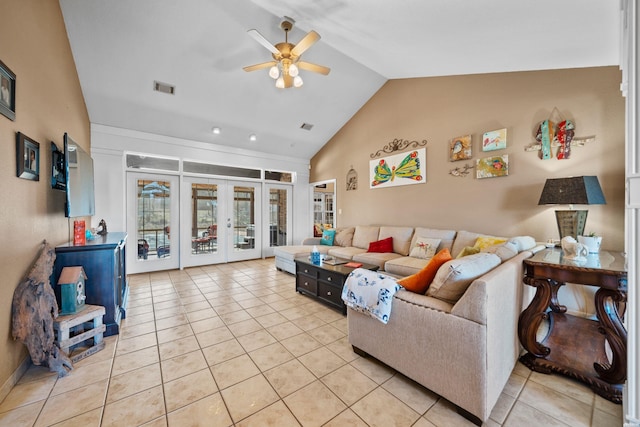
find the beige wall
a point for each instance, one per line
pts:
(49, 102)
(438, 109)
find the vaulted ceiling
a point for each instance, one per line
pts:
(200, 46)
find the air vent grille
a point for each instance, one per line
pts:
(164, 88)
(306, 126)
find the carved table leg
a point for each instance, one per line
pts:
(607, 303)
(535, 313)
(555, 305)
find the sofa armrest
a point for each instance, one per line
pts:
(312, 241)
(493, 291)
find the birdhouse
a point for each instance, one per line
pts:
(72, 292)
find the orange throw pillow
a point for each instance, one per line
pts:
(419, 282)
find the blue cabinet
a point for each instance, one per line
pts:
(103, 260)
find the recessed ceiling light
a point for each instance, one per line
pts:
(216, 130)
(253, 137)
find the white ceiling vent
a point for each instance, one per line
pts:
(164, 88)
(306, 126)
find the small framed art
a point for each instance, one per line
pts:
(491, 167)
(7, 92)
(460, 148)
(494, 140)
(27, 157)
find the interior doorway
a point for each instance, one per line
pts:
(323, 206)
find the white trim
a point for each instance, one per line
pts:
(14, 377)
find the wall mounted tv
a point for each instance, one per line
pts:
(79, 188)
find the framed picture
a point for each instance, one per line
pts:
(491, 167)
(27, 157)
(7, 92)
(494, 140)
(460, 148)
(398, 169)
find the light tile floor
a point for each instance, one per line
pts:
(234, 344)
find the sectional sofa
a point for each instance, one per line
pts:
(462, 346)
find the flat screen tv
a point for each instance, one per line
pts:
(79, 188)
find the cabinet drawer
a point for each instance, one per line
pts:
(305, 269)
(330, 293)
(307, 284)
(330, 277)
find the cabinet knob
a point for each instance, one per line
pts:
(306, 271)
(329, 279)
(329, 293)
(306, 283)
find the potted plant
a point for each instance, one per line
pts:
(592, 241)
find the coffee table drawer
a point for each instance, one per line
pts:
(307, 284)
(330, 293)
(330, 277)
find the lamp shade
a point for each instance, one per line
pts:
(579, 190)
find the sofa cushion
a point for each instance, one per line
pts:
(363, 235)
(524, 243)
(384, 245)
(465, 238)
(405, 266)
(345, 253)
(327, 237)
(505, 251)
(401, 238)
(344, 236)
(446, 237)
(420, 281)
(376, 258)
(292, 252)
(425, 248)
(455, 276)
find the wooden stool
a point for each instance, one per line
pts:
(84, 327)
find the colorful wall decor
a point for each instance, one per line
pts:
(461, 172)
(460, 148)
(494, 140)
(491, 167)
(398, 169)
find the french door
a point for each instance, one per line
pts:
(278, 216)
(152, 222)
(220, 219)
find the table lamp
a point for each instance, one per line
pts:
(579, 190)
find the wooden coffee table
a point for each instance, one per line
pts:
(325, 281)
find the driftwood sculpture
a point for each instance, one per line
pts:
(33, 309)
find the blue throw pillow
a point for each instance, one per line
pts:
(327, 237)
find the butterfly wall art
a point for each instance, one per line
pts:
(398, 169)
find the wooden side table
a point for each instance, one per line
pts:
(576, 346)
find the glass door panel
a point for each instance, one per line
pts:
(278, 214)
(244, 201)
(152, 221)
(203, 206)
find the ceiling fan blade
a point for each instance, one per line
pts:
(306, 42)
(260, 66)
(264, 42)
(313, 67)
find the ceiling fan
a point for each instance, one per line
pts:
(286, 64)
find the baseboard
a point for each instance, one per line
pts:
(15, 377)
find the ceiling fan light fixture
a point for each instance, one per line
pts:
(274, 73)
(253, 137)
(280, 83)
(216, 130)
(297, 81)
(293, 70)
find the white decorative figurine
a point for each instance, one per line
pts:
(572, 250)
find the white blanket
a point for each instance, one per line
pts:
(370, 292)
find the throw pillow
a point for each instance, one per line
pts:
(486, 241)
(420, 281)
(468, 250)
(424, 248)
(455, 276)
(505, 251)
(384, 245)
(524, 243)
(327, 237)
(344, 236)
